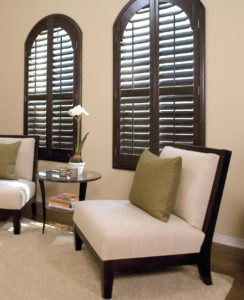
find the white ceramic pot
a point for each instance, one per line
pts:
(78, 166)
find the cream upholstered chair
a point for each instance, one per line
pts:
(124, 237)
(16, 195)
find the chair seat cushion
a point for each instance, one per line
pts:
(15, 193)
(117, 229)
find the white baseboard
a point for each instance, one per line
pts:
(228, 240)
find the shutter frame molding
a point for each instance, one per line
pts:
(188, 81)
(69, 34)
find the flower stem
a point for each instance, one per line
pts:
(78, 137)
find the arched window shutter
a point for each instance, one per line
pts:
(158, 78)
(52, 85)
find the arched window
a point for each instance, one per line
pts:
(159, 87)
(52, 85)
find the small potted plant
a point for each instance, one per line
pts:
(76, 160)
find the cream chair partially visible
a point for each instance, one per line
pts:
(124, 237)
(16, 195)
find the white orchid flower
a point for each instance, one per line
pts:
(77, 111)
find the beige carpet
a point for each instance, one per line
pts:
(44, 267)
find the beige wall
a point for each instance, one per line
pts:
(225, 103)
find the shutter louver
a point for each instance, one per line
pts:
(135, 84)
(176, 76)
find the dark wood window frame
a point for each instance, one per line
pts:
(59, 101)
(196, 16)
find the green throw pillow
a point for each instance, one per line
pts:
(155, 184)
(8, 155)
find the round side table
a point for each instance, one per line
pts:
(53, 176)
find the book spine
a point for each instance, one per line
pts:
(61, 207)
(66, 196)
(68, 201)
(60, 204)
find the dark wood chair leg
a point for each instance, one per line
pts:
(16, 221)
(107, 278)
(33, 208)
(78, 241)
(204, 268)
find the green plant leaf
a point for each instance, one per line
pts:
(82, 144)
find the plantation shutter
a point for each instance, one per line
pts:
(135, 84)
(176, 76)
(37, 89)
(52, 86)
(158, 67)
(62, 90)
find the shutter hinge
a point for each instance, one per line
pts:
(115, 151)
(198, 90)
(198, 23)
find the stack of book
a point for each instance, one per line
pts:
(64, 201)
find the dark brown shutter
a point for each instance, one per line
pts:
(62, 90)
(158, 77)
(52, 85)
(135, 84)
(176, 76)
(37, 88)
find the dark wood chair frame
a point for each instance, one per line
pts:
(202, 259)
(16, 213)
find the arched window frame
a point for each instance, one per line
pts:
(48, 151)
(196, 14)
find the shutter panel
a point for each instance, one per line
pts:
(135, 84)
(62, 90)
(37, 120)
(176, 76)
(62, 123)
(63, 62)
(37, 88)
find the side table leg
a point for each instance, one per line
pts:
(43, 204)
(82, 194)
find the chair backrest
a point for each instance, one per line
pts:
(26, 162)
(201, 185)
